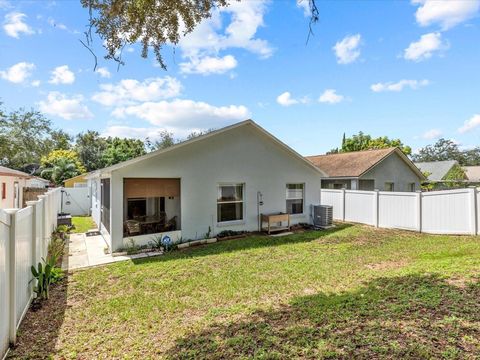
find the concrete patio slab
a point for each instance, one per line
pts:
(86, 251)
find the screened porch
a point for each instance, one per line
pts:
(151, 206)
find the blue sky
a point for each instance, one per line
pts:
(403, 69)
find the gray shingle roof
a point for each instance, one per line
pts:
(437, 170)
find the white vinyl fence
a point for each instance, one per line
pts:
(24, 237)
(76, 201)
(437, 212)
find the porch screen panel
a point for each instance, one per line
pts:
(146, 188)
(105, 203)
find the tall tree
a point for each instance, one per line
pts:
(23, 135)
(60, 165)
(90, 147)
(61, 170)
(119, 150)
(445, 149)
(152, 23)
(363, 141)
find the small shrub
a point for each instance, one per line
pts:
(55, 248)
(226, 233)
(156, 242)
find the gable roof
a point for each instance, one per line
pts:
(473, 173)
(76, 177)
(209, 135)
(437, 170)
(357, 163)
(4, 171)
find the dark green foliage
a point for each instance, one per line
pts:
(119, 150)
(445, 149)
(363, 141)
(90, 147)
(149, 22)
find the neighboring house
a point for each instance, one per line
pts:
(76, 181)
(443, 174)
(383, 169)
(437, 171)
(473, 174)
(219, 181)
(12, 183)
(37, 182)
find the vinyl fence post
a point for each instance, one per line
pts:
(343, 204)
(43, 221)
(34, 205)
(375, 207)
(419, 210)
(12, 277)
(473, 210)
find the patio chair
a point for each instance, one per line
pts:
(171, 224)
(133, 227)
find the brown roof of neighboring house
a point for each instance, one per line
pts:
(356, 163)
(10, 172)
(473, 173)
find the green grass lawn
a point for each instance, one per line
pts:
(350, 292)
(82, 224)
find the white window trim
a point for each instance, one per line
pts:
(302, 198)
(232, 222)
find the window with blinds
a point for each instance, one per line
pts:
(230, 202)
(295, 195)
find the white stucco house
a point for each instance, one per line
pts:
(12, 183)
(219, 181)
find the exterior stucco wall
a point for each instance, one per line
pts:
(242, 155)
(392, 169)
(9, 201)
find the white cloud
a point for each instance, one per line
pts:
(470, 124)
(18, 73)
(447, 13)
(212, 36)
(246, 17)
(285, 99)
(399, 85)
(14, 25)
(208, 65)
(35, 83)
(103, 72)
(330, 96)
(425, 47)
(432, 134)
(58, 104)
(128, 91)
(347, 50)
(305, 6)
(62, 75)
(184, 114)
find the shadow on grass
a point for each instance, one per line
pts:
(411, 317)
(39, 330)
(241, 244)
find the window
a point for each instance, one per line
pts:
(389, 186)
(4, 191)
(230, 202)
(295, 198)
(412, 187)
(80, 184)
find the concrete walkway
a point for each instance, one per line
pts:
(86, 251)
